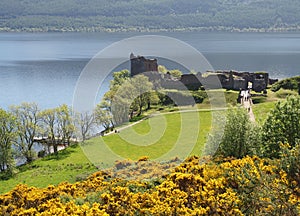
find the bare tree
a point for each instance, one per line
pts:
(85, 122)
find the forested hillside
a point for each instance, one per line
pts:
(147, 15)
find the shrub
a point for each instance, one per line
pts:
(290, 83)
(281, 126)
(241, 137)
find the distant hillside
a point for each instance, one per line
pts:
(149, 15)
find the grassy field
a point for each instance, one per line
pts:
(70, 165)
(162, 137)
(261, 111)
(266, 104)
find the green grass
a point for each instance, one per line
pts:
(261, 110)
(160, 138)
(263, 105)
(230, 98)
(70, 165)
(284, 93)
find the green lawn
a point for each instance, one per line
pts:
(261, 110)
(162, 137)
(70, 165)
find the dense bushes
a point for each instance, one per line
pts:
(282, 126)
(241, 137)
(290, 84)
(250, 186)
(181, 98)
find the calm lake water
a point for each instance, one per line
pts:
(44, 67)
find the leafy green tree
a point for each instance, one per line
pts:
(142, 88)
(176, 73)
(29, 127)
(241, 136)
(8, 136)
(162, 69)
(119, 78)
(125, 97)
(282, 126)
(131, 97)
(103, 115)
(122, 101)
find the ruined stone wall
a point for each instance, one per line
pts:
(140, 64)
(231, 80)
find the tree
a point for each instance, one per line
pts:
(131, 97)
(119, 78)
(85, 123)
(28, 117)
(142, 88)
(162, 69)
(49, 117)
(8, 135)
(103, 115)
(240, 136)
(66, 125)
(122, 104)
(282, 126)
(176, 73)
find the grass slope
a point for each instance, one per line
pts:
(262, 110)
(70, 165)
(160, 138)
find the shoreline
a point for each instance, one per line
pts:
(217, 29)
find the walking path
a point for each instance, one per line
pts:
(246, 101)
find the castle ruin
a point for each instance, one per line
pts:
(230, 80)
(139, 64)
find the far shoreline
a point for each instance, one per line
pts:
(212, 29)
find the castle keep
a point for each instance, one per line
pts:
(140, 64)
(230, 80)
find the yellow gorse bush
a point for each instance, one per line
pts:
(250, 186)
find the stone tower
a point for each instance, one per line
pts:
(139, 64)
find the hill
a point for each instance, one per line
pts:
(72, 164)
(149, 15)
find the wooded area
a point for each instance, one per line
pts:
(148, 15)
